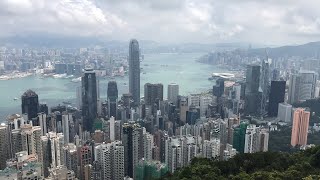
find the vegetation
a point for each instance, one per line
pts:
(280, 140)
(258, 166)
(314, 106)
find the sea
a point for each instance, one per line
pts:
(183, 69)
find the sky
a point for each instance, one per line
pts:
(172, 21)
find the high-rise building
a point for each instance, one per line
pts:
(285, 112)
(204, 104)
(131, 139)
(239, 137)
(85, 158)
(183, 109)
(300, 125)
(112, 94)
(111, 159)
(252, 93)
(66, 120)
(256, 139)
(30, 139)
(277, 93)
(173, 93)
(89, 99)
(302, 86)
(153, 93)
(218, 88)
(134, 71)
(211, 148)
(30, 105)
(4, 145)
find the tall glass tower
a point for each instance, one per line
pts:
(134, 71)
(30, 105)
(89, 99)
(112, 98)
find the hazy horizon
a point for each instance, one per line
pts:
(269, 23)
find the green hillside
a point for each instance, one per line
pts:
(258, 166)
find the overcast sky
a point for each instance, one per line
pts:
(201, 21)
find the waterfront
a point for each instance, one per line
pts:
(182, 69)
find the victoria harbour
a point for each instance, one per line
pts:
(182, 69)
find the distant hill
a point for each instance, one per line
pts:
(305, 50)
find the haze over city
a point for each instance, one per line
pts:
(267, 22)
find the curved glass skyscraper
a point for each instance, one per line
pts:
(134, 71)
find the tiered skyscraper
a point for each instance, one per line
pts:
(134, 71)
(89, 98)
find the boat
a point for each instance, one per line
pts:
(67, 102)
(15, 98)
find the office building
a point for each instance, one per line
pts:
(218, 88)
(302, 86)
(30, 105)
(183, 109)
(110, 157)
(300, 125)
(285, 112)
(112, 94)
(134, 71)
(204, 104)
(66, 120)
(153, 93)
(89, 99)
(252, 93)
(277, 93)
(173, 93)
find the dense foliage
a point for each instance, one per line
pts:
(257, 166)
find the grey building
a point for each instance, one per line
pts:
(112, 94)
(153, 93)
(252, 93)
(89, 99)
(134, 71)
(173, 93)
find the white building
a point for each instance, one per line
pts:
(204, 104)
(256, 139)
(194, 100)
(66, 119)
(111, 159)
(211, 149)
(285, 112)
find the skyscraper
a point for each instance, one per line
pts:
(218, 88)
(302, 86)
(112, 94)
(134, 71)
(89, 99)
(30, 105)
(173, 93)
(300, 125)
(4, 145)
(276, 96)
(132, 138)
(252, 93)
(153, 93)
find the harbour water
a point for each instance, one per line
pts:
(182, 69)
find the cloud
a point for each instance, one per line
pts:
(205, 21)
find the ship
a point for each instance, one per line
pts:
(66, 102)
